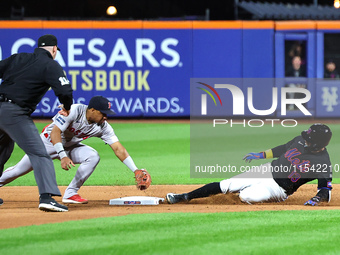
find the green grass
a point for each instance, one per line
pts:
(267, 232)
(164, 150)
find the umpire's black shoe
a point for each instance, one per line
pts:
(1, 201)
(50, 205)
(172, 198)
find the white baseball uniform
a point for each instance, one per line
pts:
(75, 128)
(253, 189)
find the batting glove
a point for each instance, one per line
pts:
(252, 155)
(313, 201)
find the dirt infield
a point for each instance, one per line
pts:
(20, 206)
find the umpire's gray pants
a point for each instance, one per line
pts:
(19, 126)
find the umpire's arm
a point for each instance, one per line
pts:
(55, 76)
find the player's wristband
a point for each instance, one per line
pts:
(269, 153)
(130, 164)
(59, 148)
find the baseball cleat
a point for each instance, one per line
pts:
(75, 199)
(173, 198)
(1, 201)
(50, 205)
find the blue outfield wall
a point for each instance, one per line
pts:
(145, 68)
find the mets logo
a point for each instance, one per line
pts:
(291, 156)
(329, 97)
(204, 97)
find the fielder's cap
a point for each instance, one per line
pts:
(101, 104)
(48, 40)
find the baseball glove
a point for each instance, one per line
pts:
(143, 179)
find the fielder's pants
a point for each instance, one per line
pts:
(16, 125)
(87, 157)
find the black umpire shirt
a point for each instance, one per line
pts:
(28, 76)
(296, 165)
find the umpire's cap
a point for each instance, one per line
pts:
(101, 104)
(318, 135)
(48, 40)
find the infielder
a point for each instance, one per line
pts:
(62, 139)
(297, 162)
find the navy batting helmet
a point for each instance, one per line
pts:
(318, 135)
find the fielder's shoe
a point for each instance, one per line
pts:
(50, 205)
(1, 201)
(172, 198)
(75, 199)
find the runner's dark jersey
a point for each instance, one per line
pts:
(296, 165)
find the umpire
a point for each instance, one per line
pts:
(26, 78)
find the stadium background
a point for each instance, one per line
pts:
(144, 67)
(127, 56)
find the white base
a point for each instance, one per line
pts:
(136, 200)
